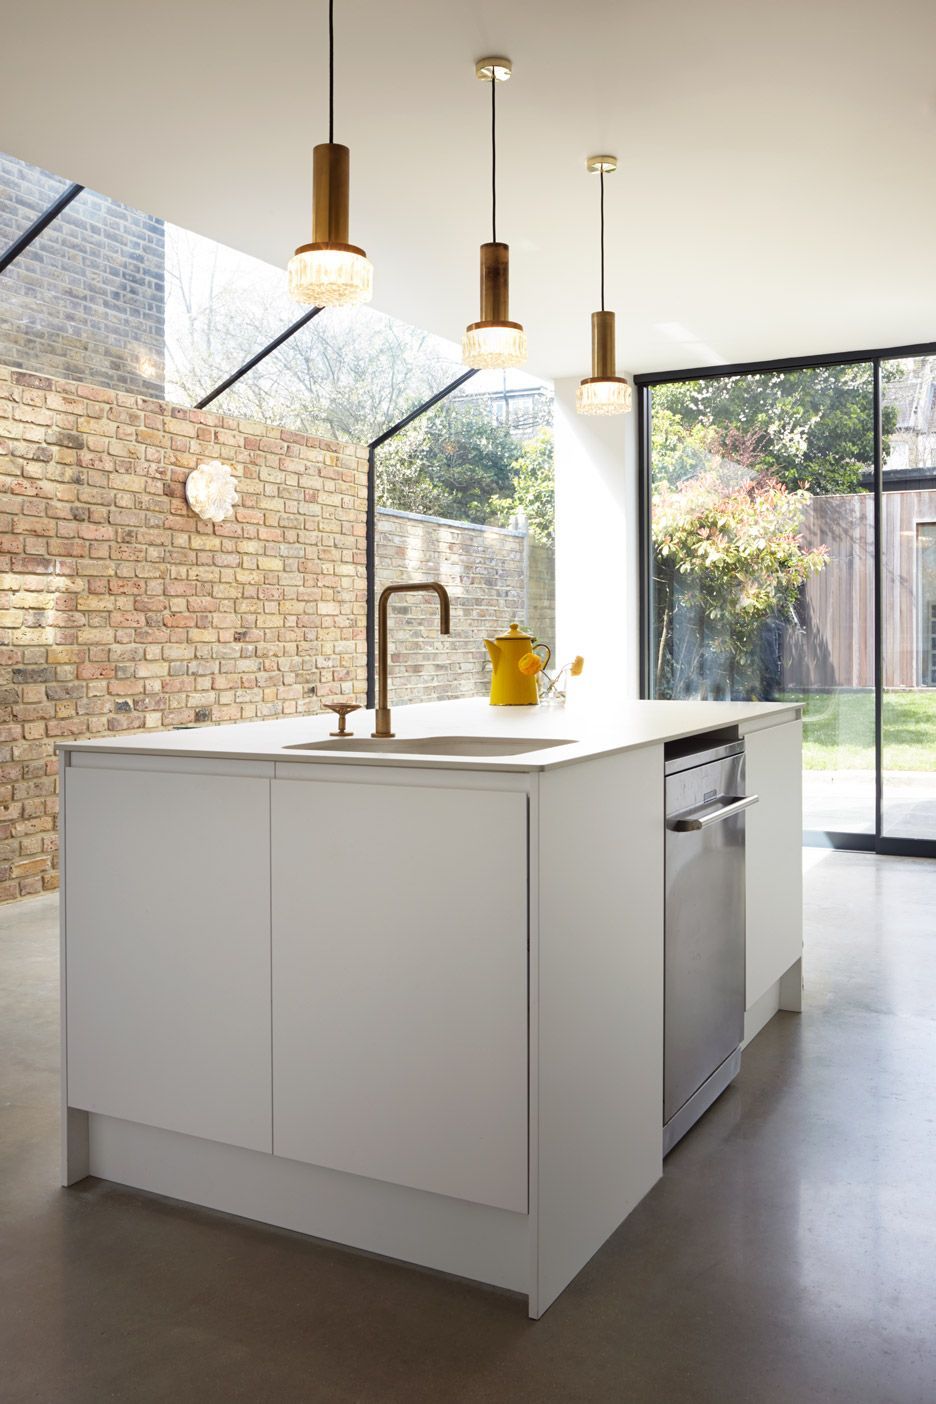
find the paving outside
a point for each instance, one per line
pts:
(843, 801)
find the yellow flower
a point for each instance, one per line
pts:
(576, 666)
(530, 664)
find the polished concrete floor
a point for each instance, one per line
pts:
(788, 1254)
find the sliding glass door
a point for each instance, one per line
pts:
(790, 554)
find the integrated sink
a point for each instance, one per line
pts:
(434, 745)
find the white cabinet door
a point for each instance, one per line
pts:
(168, 951)
(774, 843)
(400, 984)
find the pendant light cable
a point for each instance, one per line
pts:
(493, 157)
(601, 175)
(331, 70)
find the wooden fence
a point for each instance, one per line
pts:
(835, 646)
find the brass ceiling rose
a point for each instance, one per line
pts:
(498, 69)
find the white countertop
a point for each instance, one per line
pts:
(595, 730)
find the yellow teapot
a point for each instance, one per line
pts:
(509, 686)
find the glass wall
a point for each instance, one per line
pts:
(465, 496)
(222, 307)
(909, 600)
(349, 374)
(115, 297)
(762, 579)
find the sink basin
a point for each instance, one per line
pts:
(434, 745)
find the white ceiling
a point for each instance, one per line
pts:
(777, 190)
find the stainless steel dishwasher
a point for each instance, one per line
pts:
(704, 929)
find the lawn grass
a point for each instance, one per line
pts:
(838, 730)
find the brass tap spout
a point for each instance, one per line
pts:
(445, 627)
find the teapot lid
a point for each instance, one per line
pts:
(514, 634)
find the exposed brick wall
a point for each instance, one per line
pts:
(485, 571)
(121, 610)
(86, 301)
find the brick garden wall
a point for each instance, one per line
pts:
(493, 576)
(121, 610)
(86, 300)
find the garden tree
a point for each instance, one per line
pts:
(451, 462)
(534, 489)
(735, 460)
(728, 559)
(815, 426)
(678, 449)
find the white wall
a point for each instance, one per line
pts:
(597, 588)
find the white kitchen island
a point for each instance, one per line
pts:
(410, 1003)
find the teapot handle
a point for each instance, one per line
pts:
(548, 652)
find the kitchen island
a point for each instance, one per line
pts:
(410, 1001)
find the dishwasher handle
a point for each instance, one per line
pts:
(704, 821)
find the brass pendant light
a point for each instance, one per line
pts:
(604, 391)
(494, 342)
(330, 272)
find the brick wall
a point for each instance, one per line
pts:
(493, 576)
(86, 301)
(121, 610)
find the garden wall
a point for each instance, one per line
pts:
(493, 575)
(86, 300)
(121, 610)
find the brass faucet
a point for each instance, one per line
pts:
(445, 627)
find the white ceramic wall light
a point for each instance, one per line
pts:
(211, 492)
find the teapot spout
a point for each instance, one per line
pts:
(493, 652)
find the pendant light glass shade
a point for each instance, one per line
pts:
(323, 275)
(494, 342)
(604, 391)
(603, 397)
(494, 345)
(330, 271)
